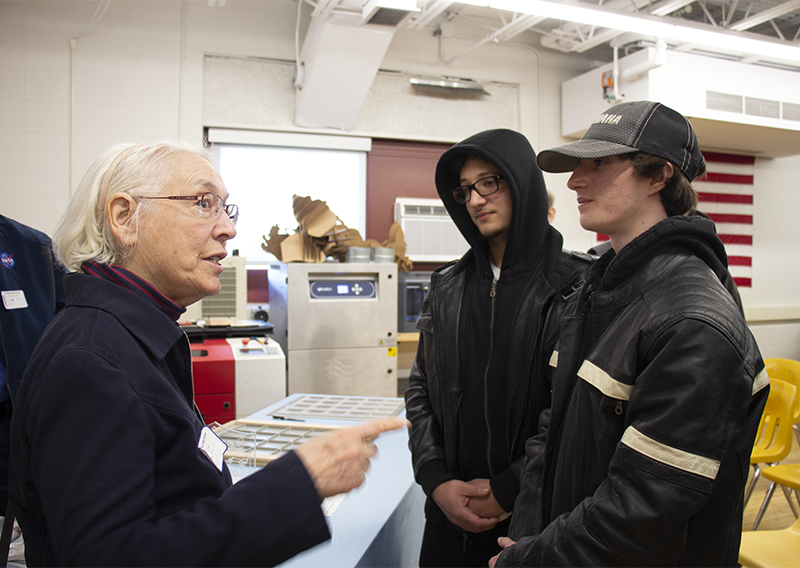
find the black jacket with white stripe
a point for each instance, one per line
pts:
(657, 394)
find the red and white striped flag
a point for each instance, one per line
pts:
(725, 194)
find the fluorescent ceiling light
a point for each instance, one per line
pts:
(646, 25)
(735, 42)
(578, 14)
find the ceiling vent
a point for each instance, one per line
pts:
(724, 101)
(388, 13)
(762, 107)
(791, 111)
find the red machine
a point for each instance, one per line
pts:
(237, 376)
(214, 371)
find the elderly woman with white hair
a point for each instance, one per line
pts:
(111, 463)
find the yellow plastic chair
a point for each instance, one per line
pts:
(787, 370)
(774, 438)
(771, 549)
(787, 475)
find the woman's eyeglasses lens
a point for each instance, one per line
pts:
(210, 205)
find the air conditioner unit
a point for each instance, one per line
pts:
(231, 302)
(431, 235)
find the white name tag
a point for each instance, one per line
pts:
(212, 447)
(14, 299)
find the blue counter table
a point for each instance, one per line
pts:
(378, 524)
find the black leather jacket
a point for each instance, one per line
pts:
(657, 394)
(434, 395)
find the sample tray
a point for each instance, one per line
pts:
(340, 407)
(258, 442)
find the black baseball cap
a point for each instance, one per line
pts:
(636, 126)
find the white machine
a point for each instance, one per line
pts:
(231, 302)
(260, 373)
(236, 376)
(337, 323)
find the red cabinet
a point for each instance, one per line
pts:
(214, 371)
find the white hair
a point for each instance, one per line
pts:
(137, 170)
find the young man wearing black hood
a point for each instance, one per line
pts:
(658, 385)
(487, 329)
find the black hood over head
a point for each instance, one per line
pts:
(513, 155)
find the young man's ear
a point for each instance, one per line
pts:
(120, 211)
(660, 181)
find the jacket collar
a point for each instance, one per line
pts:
(695, 233)
(135, 284)
(146, 322)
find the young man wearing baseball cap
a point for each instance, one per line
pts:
(658, 384)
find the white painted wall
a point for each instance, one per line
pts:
(138, 75)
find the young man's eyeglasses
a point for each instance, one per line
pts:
(484, 186)
(209, 205)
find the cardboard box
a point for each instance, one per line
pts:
(320, 233)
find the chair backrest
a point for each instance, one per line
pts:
(795, 528)
(774, 439)
(768, 549)
(786, 370)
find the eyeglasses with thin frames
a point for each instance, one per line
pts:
(209, 205)
(484, 186)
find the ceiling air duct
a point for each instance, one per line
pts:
(340, 57)
(388, 13)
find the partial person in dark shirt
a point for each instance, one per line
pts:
(30, 284)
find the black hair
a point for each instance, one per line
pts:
(460, 160)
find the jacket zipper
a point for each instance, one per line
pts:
(191, 377)
(492, 294)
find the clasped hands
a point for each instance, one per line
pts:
(470, 505)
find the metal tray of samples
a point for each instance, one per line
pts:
(333, 407)
(258, 442)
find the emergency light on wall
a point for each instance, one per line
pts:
(659, 27)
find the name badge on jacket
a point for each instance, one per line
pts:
(212, 447)
(14, 299)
